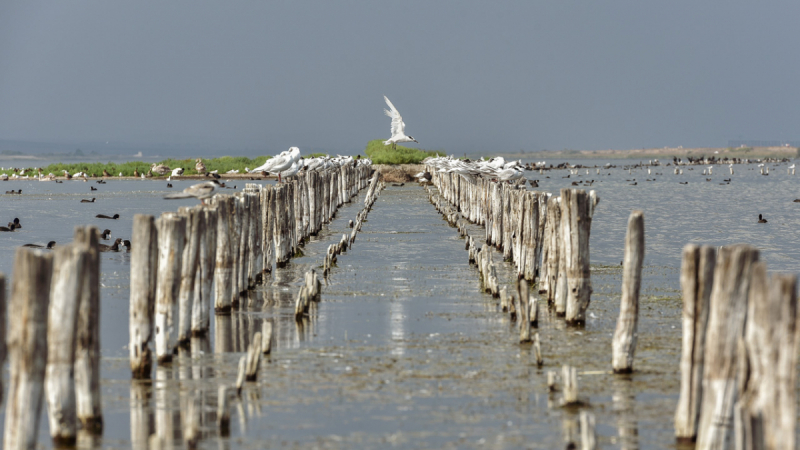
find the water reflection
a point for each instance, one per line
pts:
(623, 400)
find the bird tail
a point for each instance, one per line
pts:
(177, 195)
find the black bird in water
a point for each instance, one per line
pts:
(103, 216)
(761, 219)
(127, 245)
(9, 228)
(169, 185)
(84, 200)
(16, 223)
(110, 248)
(50, 245)
(106, 234)
(93, 188)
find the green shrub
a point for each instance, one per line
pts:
(385, 154)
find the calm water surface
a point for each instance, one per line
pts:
(404, 350)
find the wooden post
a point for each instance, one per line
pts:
(266, 336)
(726, 320)
(524, 318)
(570, 378)
(171, 232)
(537, 348)
(27, 347)
(189, 269)
(697, 278)
(87, 348)
(240, 378)
(253, 358)
(576, 219)
(244, 245)
(767, 409)
(62, 323)
(208, 258)
(624, 343)
(223, 276)
(143, 292)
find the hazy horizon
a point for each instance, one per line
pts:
(468, 77)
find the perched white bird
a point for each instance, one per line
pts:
(200, 191)
(279, 163)
(398, 126)
(177, 172)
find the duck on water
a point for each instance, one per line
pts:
(761, 219)
(103, 216)
(110, 248)
(50, 245)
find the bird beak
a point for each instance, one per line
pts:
(416, 141)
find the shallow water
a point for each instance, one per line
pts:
(404, 350)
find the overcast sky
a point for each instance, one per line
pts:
(484, 77)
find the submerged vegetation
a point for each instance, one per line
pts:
(385, 154)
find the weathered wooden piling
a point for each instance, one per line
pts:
(726, 322)
(537, 349)
(171, 233)
(143, 291)
(569, 375)
(189, 269)
(87, 348)
(241, 374)
(766, 413)
(524, 317)
(697, 279)
(201, 304)
(576, 220)
(62, 323)
(27, 347)
(223, 271)
(266, 336)
(623, 344)
(253, 358)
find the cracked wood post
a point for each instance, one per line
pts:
(726, 322)
(268, 212)
(207, 260)
(87, 350)
(223, 269)
(189, 269)
(143, 293)
(62, 321)
(697, 278)
(623, 344)
(171, 232)
(576, 220)
(27, 347)
(524, 309)
(244, 244)
(766, 414)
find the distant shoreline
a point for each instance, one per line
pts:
(662, 153)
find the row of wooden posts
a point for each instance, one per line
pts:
(740, 328)
(53, 342)
(739, 358)
(546, 237)
(230, 244)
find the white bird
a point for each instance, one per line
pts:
(279, 163)
(398, 126)
(292, 170)
(200, 191)
(177, 172)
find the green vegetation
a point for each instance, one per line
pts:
(384, 154)
(222, 165)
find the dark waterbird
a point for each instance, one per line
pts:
(84, 200)
(110, 248)
(50, 245)
(761, 219)
(92, 188)
(103, 216)
(10, 227)
(106, 234)
(127, 245)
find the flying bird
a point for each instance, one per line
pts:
(398, 126)
(200, 191)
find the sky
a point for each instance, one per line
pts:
(255, 77)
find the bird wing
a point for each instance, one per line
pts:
(397, 127)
